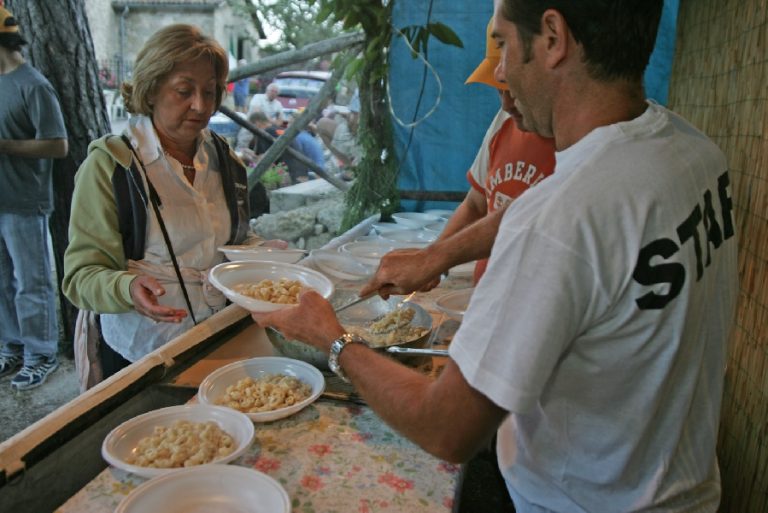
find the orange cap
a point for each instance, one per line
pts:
(484, 73)
(8, 23)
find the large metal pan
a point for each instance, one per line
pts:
(359, 315)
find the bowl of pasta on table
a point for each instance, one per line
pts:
(178, 437)
(267, 286)
(265, 388)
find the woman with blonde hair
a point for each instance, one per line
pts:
(151, 206)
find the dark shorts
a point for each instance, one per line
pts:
(240, 99)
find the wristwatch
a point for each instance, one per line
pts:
(336, 347)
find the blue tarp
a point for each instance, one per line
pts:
(660, 65)
(436, 154)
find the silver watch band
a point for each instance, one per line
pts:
(336, 347)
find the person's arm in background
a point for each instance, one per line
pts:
(35, 148)
(279, 118)
(407, 270)
(473, 208)
(468, 236)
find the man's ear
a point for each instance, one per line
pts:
(557, 37)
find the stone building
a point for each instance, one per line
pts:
(119, 28)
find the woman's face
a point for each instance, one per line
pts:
(185, 101)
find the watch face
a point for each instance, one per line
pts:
(336, 347)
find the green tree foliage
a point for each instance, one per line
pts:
(375, 187)
(295, 20)
(307, 21)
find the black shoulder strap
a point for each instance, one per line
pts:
(234, 180)
(154, 199)
(131, 202)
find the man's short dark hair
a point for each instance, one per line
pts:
(618, 36)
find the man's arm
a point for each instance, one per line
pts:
(473, 208)
(403, 271)
(344, 158)
(279, 113)
(35, 148)
(446, 417)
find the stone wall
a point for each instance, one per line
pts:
(307, 215)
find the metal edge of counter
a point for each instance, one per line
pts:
(15, 450)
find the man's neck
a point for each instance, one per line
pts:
(596, 105)
(9, 60)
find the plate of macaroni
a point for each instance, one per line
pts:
(265, 388)
(267, 286)
(213, 488)
(178, 437)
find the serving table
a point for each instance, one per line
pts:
(333, 456)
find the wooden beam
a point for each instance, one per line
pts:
(433, 195)
(304, 54)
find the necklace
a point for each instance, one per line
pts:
(185, 167)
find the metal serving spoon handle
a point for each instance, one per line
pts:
(413, 350)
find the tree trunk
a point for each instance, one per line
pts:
(60, 47)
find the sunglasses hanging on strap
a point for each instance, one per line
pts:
(154, 199)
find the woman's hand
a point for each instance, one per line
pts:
(144, 292)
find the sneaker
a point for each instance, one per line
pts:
(9, 363)
(31, 376)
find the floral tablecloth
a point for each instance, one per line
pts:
(330, 457)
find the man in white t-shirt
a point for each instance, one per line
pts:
(268, 104)
(594, 345)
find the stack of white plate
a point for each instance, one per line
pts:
(262, 254)
(415, 219)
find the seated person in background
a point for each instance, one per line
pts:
(252, 147)
(340, 136)
(269, 105)
(311, 148)
(246, 140)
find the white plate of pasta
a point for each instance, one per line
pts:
(267, 286)
(266, 388)
(213, 488)
(178, 437)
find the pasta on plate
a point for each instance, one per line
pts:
(284, 291)
(183, 444)
(267, 393)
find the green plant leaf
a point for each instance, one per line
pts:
(325, 11)
(352, 19)
(354, 68)
(445, 34)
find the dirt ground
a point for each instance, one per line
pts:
(21, 409)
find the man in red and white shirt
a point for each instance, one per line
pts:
(511, 159)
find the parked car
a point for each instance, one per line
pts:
(298, 87)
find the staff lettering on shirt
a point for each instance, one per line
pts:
(673, 273)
